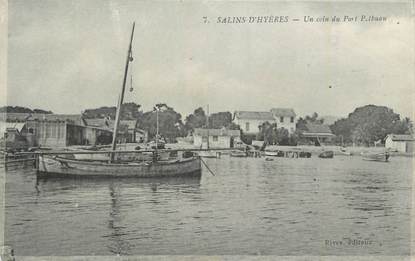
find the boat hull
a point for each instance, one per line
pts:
(326, 154)
(382, 157)
(209, 154)
(55, 166)
(238, 154)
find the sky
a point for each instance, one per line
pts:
(68, 56)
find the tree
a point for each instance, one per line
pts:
(129, 111)
(302, 122)
(170, 123)
(41, 111)
(195, 120)
(220, 119)
(283, 136)
(268, 133)
(19, 109)
(370, 123)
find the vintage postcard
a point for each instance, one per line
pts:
(207, 130)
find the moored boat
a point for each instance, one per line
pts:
(186, 165)
(328, 154)
(274, 153)
(238, 153)
(209, 154)
(382, 156)
(118, 163)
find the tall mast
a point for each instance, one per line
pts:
(207, 126)
(121, 98)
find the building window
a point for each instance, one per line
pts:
(31, 131)
(204, 139)
(215, 138)
(292, 119)
(281, 119)
(247, 126)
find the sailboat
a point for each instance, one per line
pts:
(174, 163)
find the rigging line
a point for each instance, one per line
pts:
(204, 163)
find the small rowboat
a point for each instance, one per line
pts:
(238, 153)
(383, 156)
(209, 154)
(276, 153)
(328, 154)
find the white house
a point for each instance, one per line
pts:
(401, 143)
(218, 138)
(285, 117)
(249, 121)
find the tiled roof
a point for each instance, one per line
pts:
(285, 112)
(318, 128)
(216, 132)
(21, 117)
(401, 137)
(254, 115)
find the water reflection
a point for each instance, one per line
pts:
(118, 245)
(72, 183)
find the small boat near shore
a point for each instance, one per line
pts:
(328, 154)
(238, 154)
(209, 154)
(288, 154)
(382, 156)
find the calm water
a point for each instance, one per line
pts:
(251, 206)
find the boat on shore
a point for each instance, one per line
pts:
(328, 154)
(116, 162)
(382, 156)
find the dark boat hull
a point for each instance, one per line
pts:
(326, 155)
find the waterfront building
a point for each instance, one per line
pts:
(401, 143)
(126, 134)
(218, 138)
(250, 121)
(11, 136)
(317, 133)
(58, 130)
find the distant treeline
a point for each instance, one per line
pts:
(18, 109)
(364, 126)
(171, 123)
